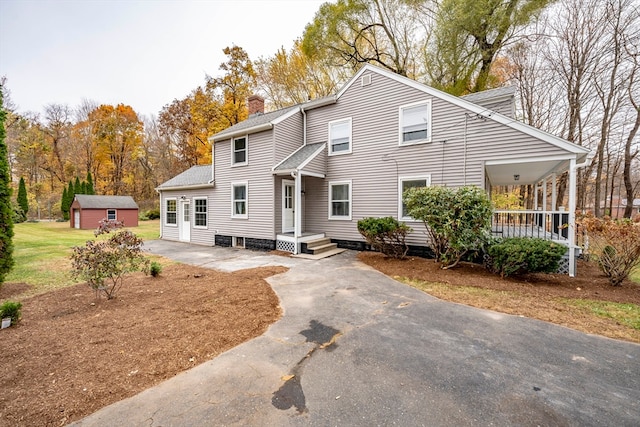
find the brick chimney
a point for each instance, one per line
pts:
(256, 105)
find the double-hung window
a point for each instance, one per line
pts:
(239, 199)
(406, 183)
(239, 151)
(340, 200)
(111, 214)
(415, 123)
(171, 215)
(340, 137)
(200, 213)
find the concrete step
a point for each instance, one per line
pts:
(322, 248)
(320, 255)
(318, 242)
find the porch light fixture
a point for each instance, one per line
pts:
(516, 177)
(183, 197)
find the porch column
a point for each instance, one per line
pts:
(572, 218)
(297, 228)
(544, 194)
(554, 194)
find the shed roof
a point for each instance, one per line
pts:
(87, 201)
(194, 176)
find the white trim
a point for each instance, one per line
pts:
(401, 179)
(206, 212)
(348, 182)
(165, 211)
(401, 108)
(330, 146)
(285, 116)
(186, 187)
(460, 102)
(246, 200)
(312, 157)
(529, 160)
(115, 213)
(240, 132)
(246, 151)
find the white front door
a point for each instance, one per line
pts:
(185, 221)
(76, 218)
(288, 206)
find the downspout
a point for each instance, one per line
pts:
(304, 126)
(573, 167)
(464, 164)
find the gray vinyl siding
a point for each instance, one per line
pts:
(377, 161)
(288, 137)
(260, 195)
(199, 236)
(318, 164)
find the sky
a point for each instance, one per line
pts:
(142, 53)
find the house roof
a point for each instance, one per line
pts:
(300, 157)
(490, 95)
(196, 176)
(87, 201)
(255, 123)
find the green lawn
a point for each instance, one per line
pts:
(42, 250)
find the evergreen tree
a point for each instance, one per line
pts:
(77, 187)
(90, 189)
(22, 196)
(6, 220)
(66, 201)
(63, 201)
(83, 187)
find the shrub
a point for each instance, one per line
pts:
(104, 263)
(386, 235)
(152, 214)
(11, 309)
(614, 245)
(155, 269)
(458, 221)
(518, 255)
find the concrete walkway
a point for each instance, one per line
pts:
(355, 348)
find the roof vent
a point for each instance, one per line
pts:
(366, 80)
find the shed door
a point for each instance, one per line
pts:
(185, 221)
(76, 218)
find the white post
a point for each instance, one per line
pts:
(535, 197)
(572, 218)
(544, 194)
(297, 228)
(554, 194)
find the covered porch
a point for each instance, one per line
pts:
(550, 219)
(292, 175)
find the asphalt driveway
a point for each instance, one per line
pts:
(356, 348)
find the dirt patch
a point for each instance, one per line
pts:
(72, 354)
(539, 296)
(8, 290)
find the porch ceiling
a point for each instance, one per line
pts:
(528, 172)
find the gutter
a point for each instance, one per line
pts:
(240, 132)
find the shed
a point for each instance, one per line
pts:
(88, 210)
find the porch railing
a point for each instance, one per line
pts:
(548, 225)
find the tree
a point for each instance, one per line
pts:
(380, 32)
(22, 200)
(468, 37)
(6, 222)
(292, 77)
(77, 186)
(118, 132)
(236, 85)
(89, 187)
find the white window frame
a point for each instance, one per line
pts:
(401, 109)
(246, 151)
(246, 200)
(329, 198)
(330, 144)
(402, 179)
(196, 213)
(115, 215)
(166, 212)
